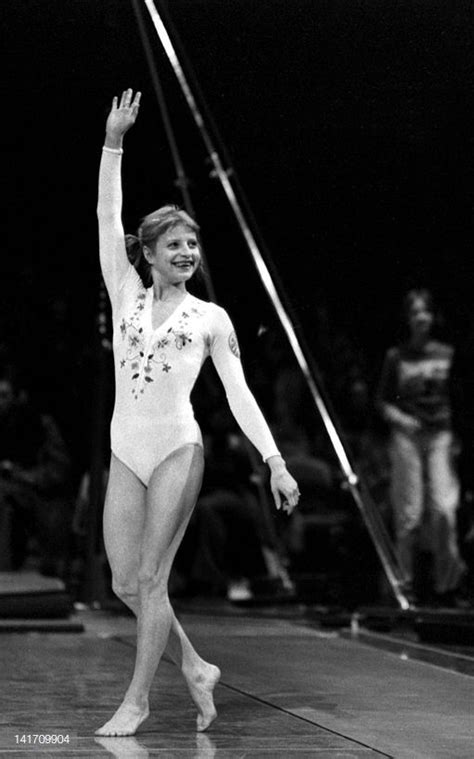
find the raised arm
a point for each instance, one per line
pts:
(225, 355)
(113, 255)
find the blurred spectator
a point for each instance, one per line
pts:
(413, 398)
(222, 551)
(325, 536)
(462, 389)
(86, 528)
(35, 495)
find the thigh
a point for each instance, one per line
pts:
(406, 459)
(442, 480)
(172, 494)
(124, 516)
(406, 474)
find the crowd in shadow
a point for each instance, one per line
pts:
(237, 546)
(36, 493)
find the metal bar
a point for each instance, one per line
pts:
(182, 180)
(374, 525)
(183, 183)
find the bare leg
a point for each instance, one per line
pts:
(132, 530)
(201, 677)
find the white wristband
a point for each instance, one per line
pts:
(117, 151)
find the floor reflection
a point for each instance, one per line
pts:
(205, 747)
(132, 748)
(124, 748)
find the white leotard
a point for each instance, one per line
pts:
(155, 370)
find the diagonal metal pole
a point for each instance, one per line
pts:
(367, 508)
(182, 181)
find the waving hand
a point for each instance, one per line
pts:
(122, 116)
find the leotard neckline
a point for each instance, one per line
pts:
(168, 318)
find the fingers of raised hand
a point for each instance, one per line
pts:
(127, 100)
(136, 100)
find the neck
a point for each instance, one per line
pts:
(419, 341)
(168, 291)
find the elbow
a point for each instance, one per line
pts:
(102, 211)
(106, 216)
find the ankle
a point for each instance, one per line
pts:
(195, 671)
(136, 701)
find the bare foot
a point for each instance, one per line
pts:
(126, 720)
(201, 687)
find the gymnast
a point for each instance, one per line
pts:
(162, 335)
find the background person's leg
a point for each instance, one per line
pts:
(407, 497)
(443, 493)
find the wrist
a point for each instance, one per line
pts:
(276, 464)
(113, 141)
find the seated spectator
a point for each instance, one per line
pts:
(35, 497)
(223, 549)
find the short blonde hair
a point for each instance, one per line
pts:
(152, 227)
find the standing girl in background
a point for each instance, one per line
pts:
(414, 398)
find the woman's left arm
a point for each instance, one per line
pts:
(225, 354)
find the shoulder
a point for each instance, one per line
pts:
(442, 350)
(215, 315)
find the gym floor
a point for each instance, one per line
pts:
(288, 689)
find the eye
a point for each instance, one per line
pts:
(192, 244)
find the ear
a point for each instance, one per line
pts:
(148, 254)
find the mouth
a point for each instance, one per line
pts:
(184, 265)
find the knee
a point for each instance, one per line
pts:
(407, 522)
(152, 580)
(443, 502)
(124, 587)
(444, 512)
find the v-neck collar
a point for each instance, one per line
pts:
(168, 318)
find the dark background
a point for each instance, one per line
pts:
(348, 123)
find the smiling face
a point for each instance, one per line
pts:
(175, 255)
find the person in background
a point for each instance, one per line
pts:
(222, 551)
(413, 397)
(35, 486)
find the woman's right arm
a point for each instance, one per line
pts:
(113, 255)
(386, 396)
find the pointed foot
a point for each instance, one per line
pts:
(202, 692)
(125, 722)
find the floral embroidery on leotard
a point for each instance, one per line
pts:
(178, 335)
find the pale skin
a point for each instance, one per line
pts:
(143, 526)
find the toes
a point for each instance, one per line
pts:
(203, 722)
